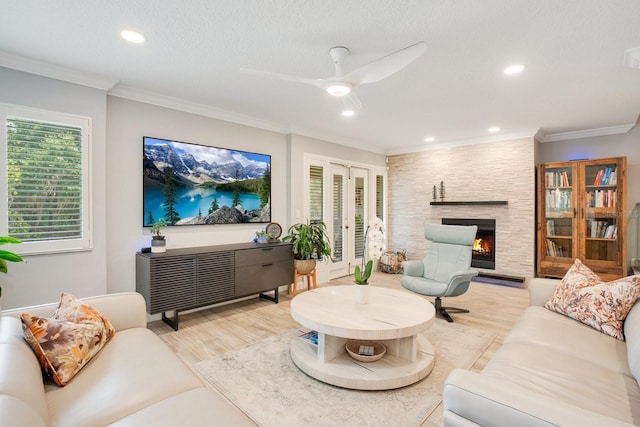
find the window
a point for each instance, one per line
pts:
(45, 161)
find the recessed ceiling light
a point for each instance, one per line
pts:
(494, 129)
(514, 69)
(132, 36)
(348, 113)
(429, 139)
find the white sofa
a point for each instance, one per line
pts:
(551, 370)
(135, 380)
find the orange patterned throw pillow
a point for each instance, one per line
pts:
(67, 341)
(583, 296)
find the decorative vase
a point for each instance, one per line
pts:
(304, 266)
(362, 293)
(158, 244)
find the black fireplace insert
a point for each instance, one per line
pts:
(484, 247)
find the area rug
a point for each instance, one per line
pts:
(262, 380)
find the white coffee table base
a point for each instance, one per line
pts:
(392, 317)
(392, 371)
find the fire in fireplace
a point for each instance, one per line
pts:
(483, 251)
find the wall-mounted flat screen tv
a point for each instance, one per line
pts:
(191, 184)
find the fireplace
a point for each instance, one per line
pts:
(483, 250)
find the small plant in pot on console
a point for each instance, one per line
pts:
(158, 242)
(310, 242)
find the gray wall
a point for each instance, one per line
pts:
(43, 277)
(128, 122)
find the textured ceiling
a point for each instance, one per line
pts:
(573, 51)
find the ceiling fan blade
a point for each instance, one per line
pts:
(285, 77)
(385, 66)
(352, 101)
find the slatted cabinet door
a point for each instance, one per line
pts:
(215, 277)
(174, 278)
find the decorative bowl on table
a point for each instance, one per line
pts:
(365, 351)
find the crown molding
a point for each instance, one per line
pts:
(530, 133)
(127, 92)
(335, 139)
(57, 72)
(588, 133)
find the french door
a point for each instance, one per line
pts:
(348, 220)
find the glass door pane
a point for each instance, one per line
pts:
(600, 212)
(338, 226)
(360, 216)
(338, 217)
(559, 212)
(316, 194)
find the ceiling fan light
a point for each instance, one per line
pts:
(339, 89)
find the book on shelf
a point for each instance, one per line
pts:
(605, 176)
(556, 179)
(553, 249)
(558, 200)
(601, 229)
(551, 227)
(310, 337)
(602, 198)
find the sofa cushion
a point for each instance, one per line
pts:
(65, 342)
(20, 373)
(200, 407)
(632, 336)
(583, 296)
(565, 378)
(545, 328)
(134, 371)
(17, 413)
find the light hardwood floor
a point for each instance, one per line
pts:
(206, 333)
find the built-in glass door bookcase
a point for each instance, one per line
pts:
(582, 214)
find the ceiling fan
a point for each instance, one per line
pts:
(343, 85)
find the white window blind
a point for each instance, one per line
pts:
(47, 182)
(338, 215)
(316, 194)
(380, 197)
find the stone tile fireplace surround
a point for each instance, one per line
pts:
(501, 170)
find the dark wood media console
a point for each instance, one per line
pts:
(184, 279)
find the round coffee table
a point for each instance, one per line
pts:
(392, 317)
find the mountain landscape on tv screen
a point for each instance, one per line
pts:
(206, 181)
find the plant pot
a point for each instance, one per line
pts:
(304, 266)
(362, 293)
(158, 244)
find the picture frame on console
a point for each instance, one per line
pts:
(193, 184)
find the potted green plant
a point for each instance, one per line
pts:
(361, 279)
(7, 256)
(158, 242)
(263, 237)
(310, 242)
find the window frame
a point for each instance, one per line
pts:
(85, 242)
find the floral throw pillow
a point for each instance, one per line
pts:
(65, 342)
(583, 296)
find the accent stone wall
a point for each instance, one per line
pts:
(503, 170)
